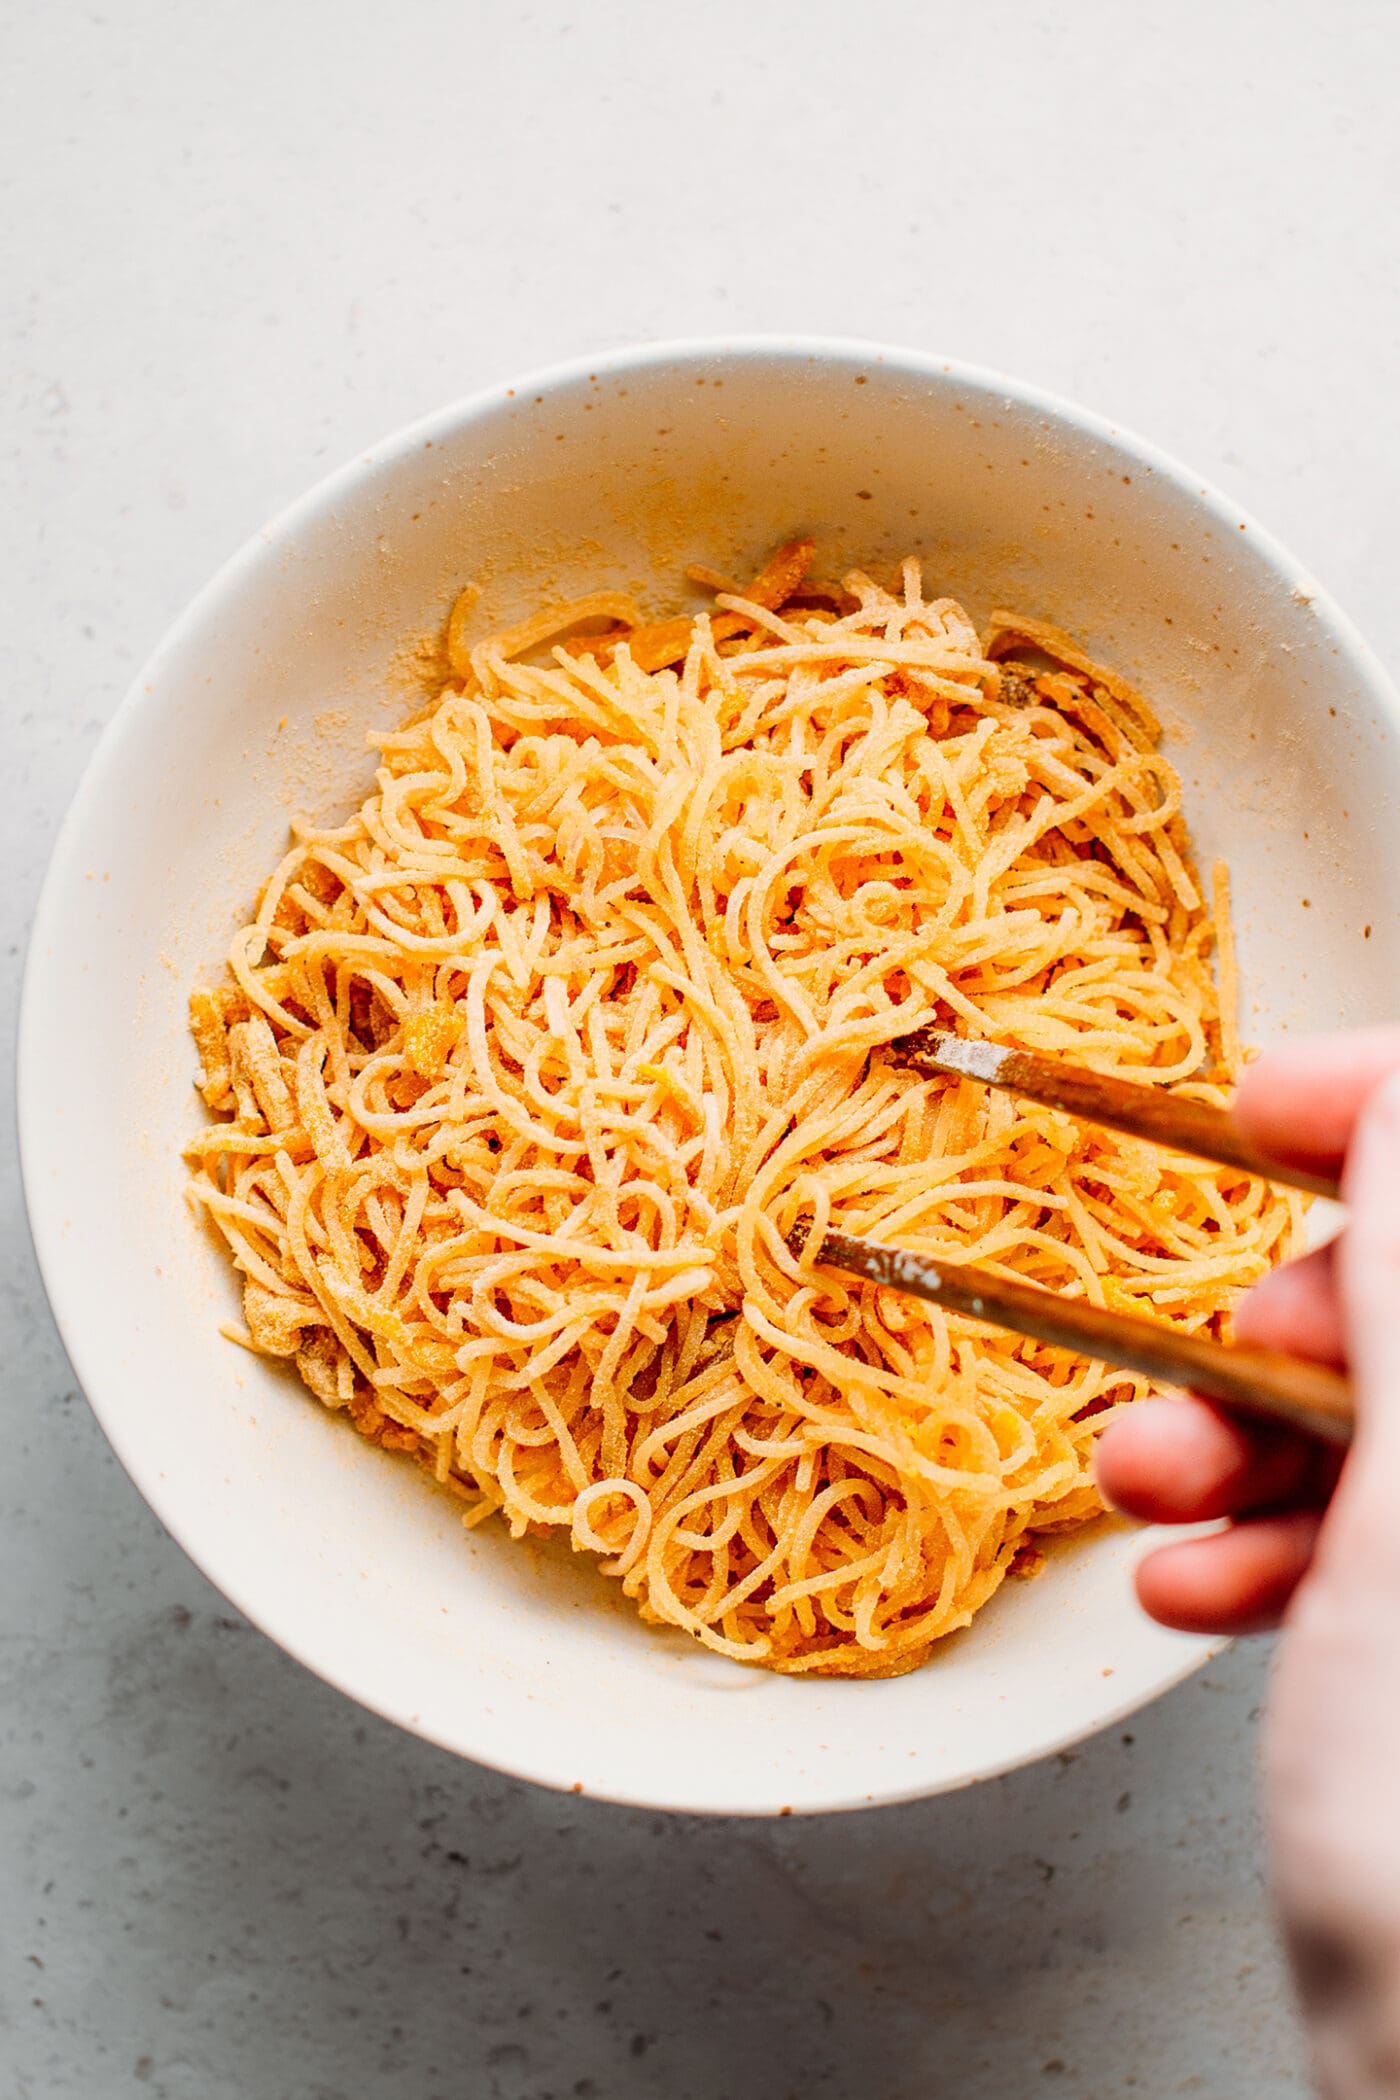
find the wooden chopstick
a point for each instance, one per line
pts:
(1260, 1381)
(1140, 1111)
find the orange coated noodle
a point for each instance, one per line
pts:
(521, 1077)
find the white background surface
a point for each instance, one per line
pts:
(243, 242)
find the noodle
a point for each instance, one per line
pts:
(522, 1077)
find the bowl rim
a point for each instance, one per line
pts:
(43, 1210)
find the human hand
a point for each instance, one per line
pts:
(1182, 1461)
(1312, 1543)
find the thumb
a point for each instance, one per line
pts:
(1334, 1719)
(1368, 1275)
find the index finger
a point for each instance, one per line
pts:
(1300, 1102)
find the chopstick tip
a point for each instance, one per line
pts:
(918, 1043)
(970, 1057)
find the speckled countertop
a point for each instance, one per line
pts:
(243, 243)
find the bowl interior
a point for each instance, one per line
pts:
(257, 706)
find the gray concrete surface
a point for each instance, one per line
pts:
(240, 244)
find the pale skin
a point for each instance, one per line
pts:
(1311, 1546)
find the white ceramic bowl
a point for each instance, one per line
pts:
(618, 472)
